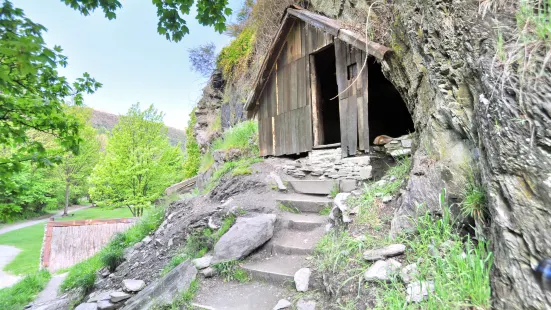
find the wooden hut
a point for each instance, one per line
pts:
(312, 60)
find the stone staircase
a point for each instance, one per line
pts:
(273, 267)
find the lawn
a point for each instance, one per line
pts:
(29, 239)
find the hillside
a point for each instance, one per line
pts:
(104, 121)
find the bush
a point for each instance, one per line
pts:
(23, 292)
(243, 136)
(234, 59)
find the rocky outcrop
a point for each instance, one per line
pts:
(208, 110)
(245, 236)
(164, 290)
(470, 124)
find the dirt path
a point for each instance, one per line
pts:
(7, 254)
(51, 290)
(28, 223)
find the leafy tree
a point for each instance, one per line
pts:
(193, 153)
(203, 58)
(138, 163)
(74, 170)
(171, 24)
(32, 98)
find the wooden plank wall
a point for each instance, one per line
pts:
(353, 100)
(285, 113)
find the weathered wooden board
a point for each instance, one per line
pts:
(362, 103)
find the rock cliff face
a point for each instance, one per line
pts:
(468, 125)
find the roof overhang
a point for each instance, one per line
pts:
(326, 24)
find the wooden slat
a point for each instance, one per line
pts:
(343, 113)
(268, 132)
(293, 81)
(362, 102)
(326, 24)
(352, 127)
(308, 129)
(281, 90)
(340, 61)
(261, 135)
(317, 120)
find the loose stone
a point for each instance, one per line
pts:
(382, 253)
(282, 304)
(131, 285)
(302, 279)
(418, 291)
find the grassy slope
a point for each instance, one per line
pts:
(19, 295)
(29, 239)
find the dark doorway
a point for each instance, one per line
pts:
(388, 113)
(324, 88)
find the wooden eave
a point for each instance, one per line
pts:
(326, 24)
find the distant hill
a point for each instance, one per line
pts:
(104, 122)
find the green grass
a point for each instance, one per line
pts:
(461, 271)
(83, 274)
(334, 191)
(199, 243)
(474, 202)
(207, 160)
(231, 271)
(285, 208)
(29, 239)
(241, 137)
(368, 211)
(23, 292)
(325, 211)
(183, 301)
(241, 166)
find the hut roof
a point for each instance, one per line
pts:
(324, 23)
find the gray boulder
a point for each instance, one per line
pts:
(306, 305)
(107, 305)
(302, 279)
(244, 236)
(383, 253)
(119, 296)
(417, 291)
(131, 285)
(165, 289)
(87, 306)
(382, 270)
(203, 262)
(282, 304)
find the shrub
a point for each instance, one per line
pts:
(234, 58)
(193, 154)
(243, 136)
(230, 271)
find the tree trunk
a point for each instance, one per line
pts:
(67, 191)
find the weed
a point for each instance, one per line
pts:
(325, 211)
(242, 171)
(460, 273)
(207, 160)
(184, 300)
(239, 137)
(369, 200)
(234, 58)
(474, 202)
(289, 209)
(23, 292)
(230, 271)
(335, 190)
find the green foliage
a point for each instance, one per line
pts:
(230, 166)
(241, 171)
(138, 164)
(193, 154)
(32, 99)
(184, 300)
(285, 208)
(83, 274)
(474, 202)
(199, 243)
(243, 136)
(74, 170)
(23, 292)
(207, 160)
(368, 201)
(335, 190)
(230, 271)
(171, 24)
(325, 211)
(234, 58)
(460, 271)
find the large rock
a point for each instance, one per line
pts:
(164, 290)
(87, 306)
(203, 262)
(244, 236)
(131, 285)
(418, 291)
(108, 305)
(382, 270)
(302, 279)
(383, 253)
(119, 296)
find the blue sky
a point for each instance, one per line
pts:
(133, 62)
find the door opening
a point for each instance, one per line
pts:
(324, 87)
(388, 113)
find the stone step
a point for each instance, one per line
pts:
(303, 221)
(293, 242)
(275, 269)
(215, 294)
(305, 203)
(322, 187)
